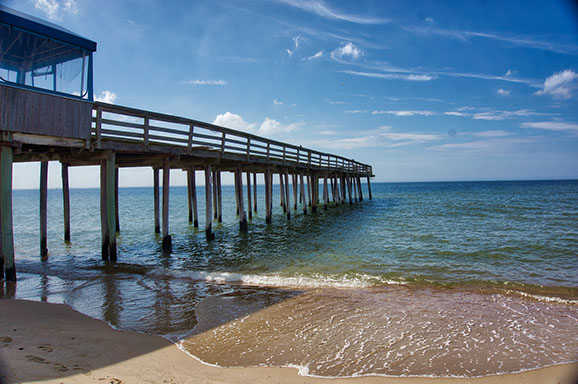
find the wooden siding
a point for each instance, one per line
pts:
(39, 113)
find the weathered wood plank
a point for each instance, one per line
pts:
(66, 201)
(7, 267)
(156, 188)
(167, 240)
(208, 204)
(43, 208)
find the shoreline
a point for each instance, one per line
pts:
(55, 344)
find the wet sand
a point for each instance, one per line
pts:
(54, 344)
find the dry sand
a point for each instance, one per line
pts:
(51, 343)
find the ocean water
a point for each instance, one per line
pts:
(426, 279)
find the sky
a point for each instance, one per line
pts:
(420, 90)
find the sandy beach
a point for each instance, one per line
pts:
(54, 344)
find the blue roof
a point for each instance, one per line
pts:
(41, 27)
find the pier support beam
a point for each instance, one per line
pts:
(369, 187)
(295, 184)
(116, 215)
(156, 200)
(354, 185)
(282, 192)
(287, 195)
(325, 193)
(43, 208)
(107, 207)
(219, 198)
(215, 200)
(314, 191)
(66, 201)
(255, 191)
(167, 240)
(303, 197)
(268, 188)
(208, 204)
(249, 204)
(348, 182)
(242, 214)
(192, 197)
(7, 267)
(359, 188)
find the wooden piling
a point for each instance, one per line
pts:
(303, 200)
(348, 182)
(107, 207)
(215, 199)
(189, 196)
(287, 194)
(192, 192)
(359, 188)
(268, 196)
(255, 191)
(282, 192)
(309, 189)
(208, 204)
(66, 200)
(219, 198)
(295, 184)
(249, 204)
(242, 214)
(354, 185)
(167, 240)
(43, 208)
(7, 267)
(369, 187)
(116, 215)
(156, 200)
(314, 191)
(325, 193)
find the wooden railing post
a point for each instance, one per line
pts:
(98, 126)
(190, 142)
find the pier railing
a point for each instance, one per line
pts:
(118, 123)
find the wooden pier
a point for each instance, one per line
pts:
(38, 125)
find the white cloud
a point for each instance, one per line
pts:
(489, 145)
(503, 92)
(411, 138)
(290, 52)
(552, 126)
(392, 76)
(348, 50)
(233, 121)
(354, 111)
(54, 8)
(271, 126)
(106, 97)
(277, 102)
(455, 113)
(405, 113)
(297, 39)
(205, 82)
(560, 84)
(327, 133)
(503, 115)
(267, 127)
(492, 134)
(429, 19)
(318, 55)
(319, 8)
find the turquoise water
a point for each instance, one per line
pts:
(505, 248)
(441, 233)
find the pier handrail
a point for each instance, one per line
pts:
(111, 121)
